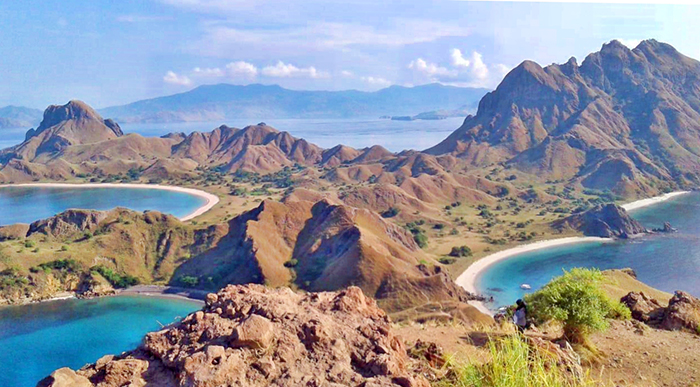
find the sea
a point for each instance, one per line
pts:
(27, 204)
(39, 338)
(668, 262)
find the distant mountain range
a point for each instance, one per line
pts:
(19, 117)
(224, 101)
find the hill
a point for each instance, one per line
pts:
(624, 120)
(224, 101)
(19, 117)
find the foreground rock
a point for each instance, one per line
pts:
(255, 336)
(682, 313)
(603, 220)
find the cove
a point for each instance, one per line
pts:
(668, 262)
(26, 204)
(39, 338)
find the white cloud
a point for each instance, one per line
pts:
(430, 70)
(458, 60)
(241, 69)
(376, 81)
(288, 70)
(630, 43)
(347, 73)
(465, 71)
(175, 79)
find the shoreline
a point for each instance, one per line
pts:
(210, 199)
(467, 280)
(196, 296)
(651, 201)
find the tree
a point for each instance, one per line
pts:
(577, 301)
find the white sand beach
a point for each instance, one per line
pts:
(467, 279)
(651, 201)
(211, 199)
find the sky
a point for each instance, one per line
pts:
(114, 52)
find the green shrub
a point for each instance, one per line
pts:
(117, 280)
(188, 281)
(577, 301)
(391, 212)
(29, 243)
(291, 263)
(461, 251)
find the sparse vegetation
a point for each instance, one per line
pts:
(513, 363)
(461, 251)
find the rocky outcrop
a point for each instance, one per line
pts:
(256, 336)
(682, 312)
(644, 308)
(68, 223)
(604, 220)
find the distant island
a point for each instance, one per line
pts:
(225, 101)
(19, 117)
(440, 114)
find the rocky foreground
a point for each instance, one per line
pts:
(256, 336)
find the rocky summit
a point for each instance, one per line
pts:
(256, 336)
(606, 221)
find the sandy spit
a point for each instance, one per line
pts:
(211, 199)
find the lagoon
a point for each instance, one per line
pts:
(668, 262)
(27, 204)
(39, 338)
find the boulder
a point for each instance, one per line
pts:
(683, 313)
(644, 308)
(65, 377)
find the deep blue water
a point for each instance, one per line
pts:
(665, 261)
(37, 339)
(359, 133)
(27, 204)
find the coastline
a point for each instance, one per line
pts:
(651, 201)
(210, 199)
(467, 279)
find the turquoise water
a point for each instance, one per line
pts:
(27, 204)
(665, 261)
(39, 338)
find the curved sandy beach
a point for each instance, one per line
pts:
(467, 279)
(211, 199)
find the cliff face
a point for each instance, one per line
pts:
(621, 120)
(604, 220)
(256, 336)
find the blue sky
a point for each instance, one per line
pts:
(114, 52)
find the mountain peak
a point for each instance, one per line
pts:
(73, 110)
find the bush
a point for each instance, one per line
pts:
(577, 301)
(291, 263)
(117, 280)
(391, 212)
(29, 244)
(188, 281)
(461, 251)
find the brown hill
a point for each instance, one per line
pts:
(626, 120)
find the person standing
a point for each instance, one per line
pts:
(520, 315)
